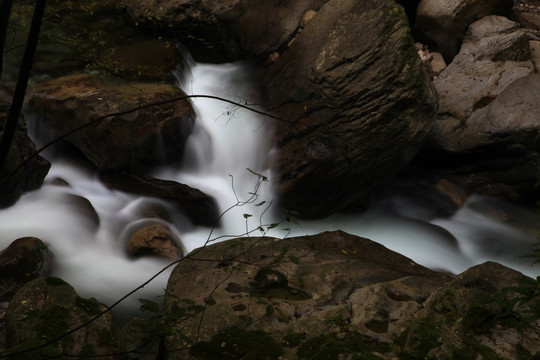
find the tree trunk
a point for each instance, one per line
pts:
(22, 81)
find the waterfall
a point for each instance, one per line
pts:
(225, 143)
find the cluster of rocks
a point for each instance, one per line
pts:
(484, 135)
(359, 102)
(330, 295)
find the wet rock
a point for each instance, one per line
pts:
(145, 137)
(155, 239)
(22, 261)
(349, 84)
(46, 308)
(194, 204)
(444, 22)
(85, 209)
(452, 191)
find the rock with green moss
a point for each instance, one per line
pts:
(334, 296)
(252, 295)
(42, 313)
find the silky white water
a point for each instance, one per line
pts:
(227, 141)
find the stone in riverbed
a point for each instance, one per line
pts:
(154, 239)
(194, 204)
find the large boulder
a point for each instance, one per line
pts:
(301, 287)
(23, 171)
(444, 22)
(355, 103)
(42, 313)
(147, 136)
(226, 30)
(329, 296)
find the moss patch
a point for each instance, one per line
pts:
(235, 343)
(418, 340)
(332, 345)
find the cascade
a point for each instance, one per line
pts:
(226, 141)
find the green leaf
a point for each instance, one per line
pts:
(149, 306)
(247, 216)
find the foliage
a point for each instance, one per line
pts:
(89, 34)
(236, 343)
(335, 345)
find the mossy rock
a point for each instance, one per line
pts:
(475, 314)
(42, 313)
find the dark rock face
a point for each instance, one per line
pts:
(22, 261)
(145, 137)
(444, 22)
(356, 105)
(226, 30)
(193, 203)
(31, 175)
(47, 308)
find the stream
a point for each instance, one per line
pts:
(225, 143)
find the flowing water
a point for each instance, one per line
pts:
(227, 141)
